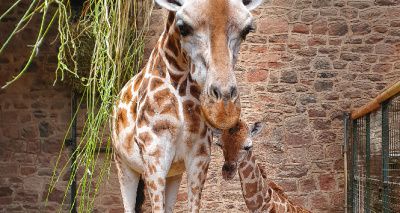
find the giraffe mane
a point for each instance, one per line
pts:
(278, 189)
(262, 171)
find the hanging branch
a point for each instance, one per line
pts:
(97, 55)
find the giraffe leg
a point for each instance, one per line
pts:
(171, 192)
(157, 164)
(128, 180)
(196, 169)
(196, 174)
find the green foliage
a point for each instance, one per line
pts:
(98, 53)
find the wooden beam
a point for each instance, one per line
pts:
(374, 104)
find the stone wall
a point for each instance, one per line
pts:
(307, 63)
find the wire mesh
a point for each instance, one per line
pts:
(373, 154)
(393, 161)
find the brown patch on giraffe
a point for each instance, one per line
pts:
(269, 197)
(195, 189)
(143, 89)
(251, 189)
(182, 62)
(171, 44)
(182, 88)
(158, 72)
(148, 107)
(252, 205)
(175, 78)
(157, 198)
(161, 96)
(278, 189)
(202, 151)
(155, 83)
(259, 198)
(262, 171)
(146, 138)
(151, 169)
(163, 125)
(200, 176)
(205, 167)
(122, 119)
(195, 91)
(142, 119)
(203, 132)
(265, 207)
(191, 112)
(171, 108)
(170, 20)
(129, 142)
(127, 96)
(156, 153)
(172, 60)
(247, 171)
(161, 181)
(152, 185)
(133, 107)
(138, 80)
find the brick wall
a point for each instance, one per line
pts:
(307, 63)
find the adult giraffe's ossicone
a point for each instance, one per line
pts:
(160, 122)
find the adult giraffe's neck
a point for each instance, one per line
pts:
(170, 54)
(254, 189)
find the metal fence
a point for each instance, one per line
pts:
(372, 158)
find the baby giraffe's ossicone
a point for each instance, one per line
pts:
(260, 195)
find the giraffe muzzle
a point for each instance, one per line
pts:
(220, 113)
(229, 170)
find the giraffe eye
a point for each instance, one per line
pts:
(246, 31)
(247, 148)
(184, 29)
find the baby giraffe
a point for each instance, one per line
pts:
(259, 194)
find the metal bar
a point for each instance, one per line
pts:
(346, 119)
(73, 150)
(367, 163)
(385, 155)
(354, 165)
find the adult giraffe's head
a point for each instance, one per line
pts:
(211, 32)
(236, 144)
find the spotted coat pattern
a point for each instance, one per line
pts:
(158, 131)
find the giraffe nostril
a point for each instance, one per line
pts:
(225, 167)
(215, 92)
(233, 92)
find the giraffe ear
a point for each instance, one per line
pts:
(255, 128)
(252, 4)
(172, 5)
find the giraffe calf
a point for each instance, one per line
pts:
(260, 195)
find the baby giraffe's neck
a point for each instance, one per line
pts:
(252, 182)
(261, 195)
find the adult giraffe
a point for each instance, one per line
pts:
(159, 123)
